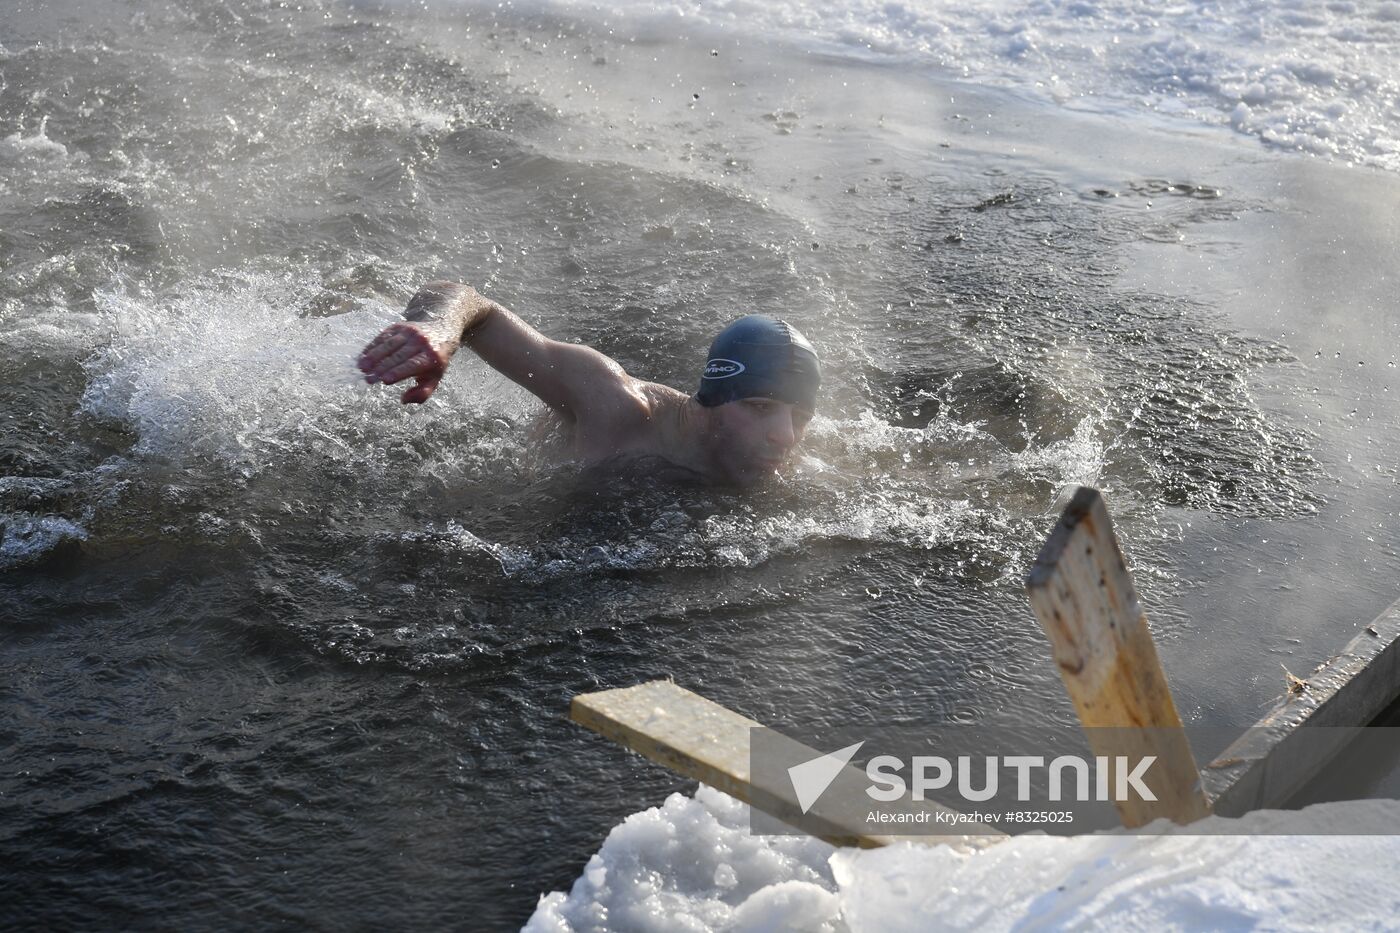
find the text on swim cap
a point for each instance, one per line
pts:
(722, 369)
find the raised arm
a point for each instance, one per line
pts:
(444, 315)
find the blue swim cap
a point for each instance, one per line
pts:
(761, 356)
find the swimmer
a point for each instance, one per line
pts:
(757, 393)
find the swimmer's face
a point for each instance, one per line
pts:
(753, 437)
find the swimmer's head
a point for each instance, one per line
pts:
(761, 357)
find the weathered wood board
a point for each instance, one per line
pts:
(1294, 742)
(1084, 597)
(707, 742)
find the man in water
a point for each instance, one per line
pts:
(757, 392)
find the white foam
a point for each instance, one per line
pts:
(235, 369)
(1077, 460)
(409, 113)
(38, 146)
(24, 538)
(861, 479)
(729, 539)
(54, 331)
(692, 864)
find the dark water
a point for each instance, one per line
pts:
(279, 651)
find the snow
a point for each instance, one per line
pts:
(691, 864)
(1318, 78)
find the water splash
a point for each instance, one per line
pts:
(25, 538)
(239, 369)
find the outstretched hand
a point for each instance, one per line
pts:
(401, 351)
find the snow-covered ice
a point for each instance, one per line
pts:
(692, 865)
(1322, 78)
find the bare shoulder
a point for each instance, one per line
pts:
(635, 421)
(636, 403)
(661, 398)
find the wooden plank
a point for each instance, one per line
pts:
(1084, 597)
(1295, 740)
(705, 741)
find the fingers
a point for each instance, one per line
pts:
(398, 353)
(396, 370)
(389, 341)
(420, 393)
(386, 365)
(390, 350)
